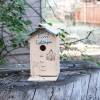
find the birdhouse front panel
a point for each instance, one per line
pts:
(44, 54)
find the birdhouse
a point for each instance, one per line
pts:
(44, 54)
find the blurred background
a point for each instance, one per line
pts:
(78, 20)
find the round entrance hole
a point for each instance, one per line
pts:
(42, 47)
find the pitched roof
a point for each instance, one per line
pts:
(48, 28)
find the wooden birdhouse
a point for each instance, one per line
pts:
(44, 54)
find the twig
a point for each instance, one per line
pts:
(35, 11)
(81, 39)
(54, 12)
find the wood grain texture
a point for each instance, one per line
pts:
(81, 87)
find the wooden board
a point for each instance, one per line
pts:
(72, 85)
(64, 65)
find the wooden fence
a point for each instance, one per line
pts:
(88, 13)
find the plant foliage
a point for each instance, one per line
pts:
(11, 15)
(12, 22)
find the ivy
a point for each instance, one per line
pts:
(12, 19)
(11, 15)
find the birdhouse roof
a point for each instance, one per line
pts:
(48, 28)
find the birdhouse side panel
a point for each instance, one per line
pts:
(34, 56)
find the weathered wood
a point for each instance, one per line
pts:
(73, 86)
(97, 93)
(64, 66)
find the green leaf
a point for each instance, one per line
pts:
(27, 22)
(1, 43)
(2, 61)
(11, 15)
(14, 45)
